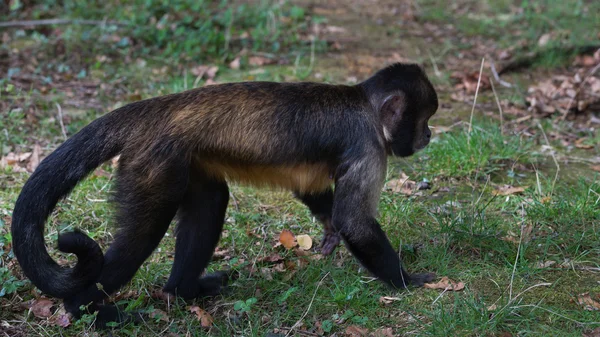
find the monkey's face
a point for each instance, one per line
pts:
(405, 123)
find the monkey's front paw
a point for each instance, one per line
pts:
(329, 242)
(418, 280)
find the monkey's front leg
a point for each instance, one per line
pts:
(320, 205)
(355, 202)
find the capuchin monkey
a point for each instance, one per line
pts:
(179, 152)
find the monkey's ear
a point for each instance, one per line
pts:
(393, 105)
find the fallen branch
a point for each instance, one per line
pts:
(530, 58)
(30, 23)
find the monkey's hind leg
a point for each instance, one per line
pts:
(320, 205)
(146, 204)
(201, 217)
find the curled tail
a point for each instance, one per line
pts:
(54, 178)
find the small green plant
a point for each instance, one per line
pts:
(10, 284)
(286, 295)
(245, 306)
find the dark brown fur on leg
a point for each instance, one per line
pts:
(146, 208)
(201, 216)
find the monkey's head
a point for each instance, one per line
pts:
(405, 99)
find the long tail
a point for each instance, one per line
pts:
(54, 178)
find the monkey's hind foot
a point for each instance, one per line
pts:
(214, 284)
(208, 285)
(417, 280)
(330, 241)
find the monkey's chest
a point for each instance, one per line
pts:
(299, 177)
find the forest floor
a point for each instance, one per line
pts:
(511, 219)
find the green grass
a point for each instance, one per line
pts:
(571, 24)
(496, 245)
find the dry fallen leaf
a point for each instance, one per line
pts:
(235, 64)
(271, 258)
(34, 160)
(593, 333)
(42, 308)
(304, 241)
(388, 299)
(509, 190)
(157, 313)
(287, 239)
(356, 331)
(260, 61)
(545, 264)
(402, 185)
(61, 318)
(445, 284)
(384, 332)
(204, 317)
(579, 143)
(596, 168)
(588, 302)
(523, 236)
(492, 307)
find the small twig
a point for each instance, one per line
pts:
(440, 296)
(497, 76)
(499, 108)
(60, 121)
(28, 23)
(512, 276)
(553, 158)
(475, 99)
(436, 70)
(307, 309)
(305, 333)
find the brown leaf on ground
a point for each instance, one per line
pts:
(271, 258)
(445, 284)
(468, 81)
(569, 95)
(509, 190)
(235, 64)
(260, 61)
(287, 239)
(587, 302)
(356, 331)
(388, 299)
(384, 332)
(304, 241)
(205, 71)
(204, 317)
(492, 307)
(593, 333)
(545, 264)
(581, 144)
(34, 160)
(222, 253)
(161, 315)
(402, 185)
(14, 159)
(42, 308)
(61, 318)
(516, 237)
(596, 168)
